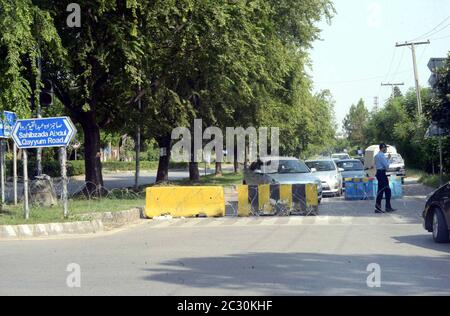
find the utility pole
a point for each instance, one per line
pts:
(413, 45)
(375, 103)
(39, 115)
(138, 146)
(393, 85)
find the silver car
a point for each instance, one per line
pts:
(329, 174)
(397, 167)
(353, 168)
(281, 170)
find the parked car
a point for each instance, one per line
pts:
(436, 215)
(340, 156)
(329, 174)
(281, 170)
(353, 168)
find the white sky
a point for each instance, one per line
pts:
(358, 52)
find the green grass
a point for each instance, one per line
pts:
(415, 173)
(13, 215)
(118, 200)
(430, 180)
(433, 180)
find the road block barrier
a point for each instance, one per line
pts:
(277, 199)
(185, 201)
(367, 188)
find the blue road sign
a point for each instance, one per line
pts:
(43, 132)
(7, 122)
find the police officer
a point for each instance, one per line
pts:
(382, 165)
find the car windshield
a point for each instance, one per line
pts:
(321, 165)
(350, 165)
(396, 158)
(285, 166)
(340, 156)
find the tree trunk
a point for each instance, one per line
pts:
(137, 158)
(194, 174)
(163, 165)
(92, 163)
(218, 171)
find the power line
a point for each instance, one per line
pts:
(362, 79)
(440, 30)
(440, 38)
(427, 33)
(399, 65)
(423, 54)
(391, 63)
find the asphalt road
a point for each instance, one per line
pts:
(324, 255)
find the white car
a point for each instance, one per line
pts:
(340, 156)
(329, 174)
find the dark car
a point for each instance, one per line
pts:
(436, 215)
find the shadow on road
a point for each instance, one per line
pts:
(420, 241)
(307, 273)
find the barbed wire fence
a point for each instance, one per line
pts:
(77, 191)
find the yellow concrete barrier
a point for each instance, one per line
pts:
(185, 201)
(269, 199)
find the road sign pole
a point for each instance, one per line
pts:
(15, 173)
(42, 133)
(441, 167)
(2, 171)
(63, 158)
(26, 208)
(39, 115)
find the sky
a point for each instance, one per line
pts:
(357, 51)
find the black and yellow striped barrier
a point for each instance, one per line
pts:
(277, 199)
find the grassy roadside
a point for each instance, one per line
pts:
(13, 215)
(226, 179)
(430, 180)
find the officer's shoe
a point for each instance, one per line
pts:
(390, 210)
(378, 209)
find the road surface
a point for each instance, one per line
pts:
(324, 255)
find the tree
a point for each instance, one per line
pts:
(439, 109)
(397, 123)
(25, 32)
(91, 79)
(397, 93)
(230, 63)
(355, 122)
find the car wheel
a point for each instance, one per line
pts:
(440, 229)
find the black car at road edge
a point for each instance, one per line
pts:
(436, 215)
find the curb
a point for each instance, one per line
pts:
(90, 224)
(113, 220)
